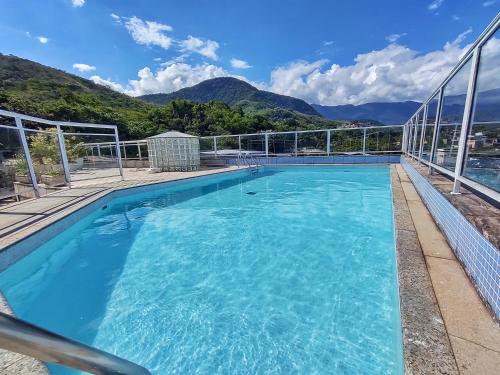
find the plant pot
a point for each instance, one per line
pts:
(50, 180)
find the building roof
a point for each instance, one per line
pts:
(173, 134)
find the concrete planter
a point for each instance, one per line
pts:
(53, 180)
(24, 179)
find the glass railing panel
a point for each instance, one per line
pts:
(255, 144)
(91, 156)
(227, 146)
(382, 140)
(346, 141)
(281, 144)
(15, 179)
(450, 121)
(482, 163)
(312, 143)
(432, 108)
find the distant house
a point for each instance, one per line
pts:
(476, 140)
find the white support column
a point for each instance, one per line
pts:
(64, 155)
(118, 153)
(215, 146)
(139, 151)
(239, 145)
(296, 142)
(27, 155)
(436, 129)
(98, 150)
(466, 121)
(266, 140)
(422, 134)
(328, 142)
(364, 141)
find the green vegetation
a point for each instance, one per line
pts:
(235, 92)
(34, 89)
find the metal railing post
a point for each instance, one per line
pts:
(266, 140)
(296, 143)
(239, 145)
(467, 117)
(22, 337)
(422, 134)
(139, 151)
(118, 153)
(436, 128)
(98, 150)
(124, 152)
(27, 155)
(64, 155)
(215, 146)
(364, 141)
(328, 142)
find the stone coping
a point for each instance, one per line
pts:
(426, 345)
(484, 215)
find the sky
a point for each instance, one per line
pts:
(325, 52)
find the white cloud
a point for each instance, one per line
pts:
(149, 33)
(43, 39)
(327, 43)
(489, 3)
(78, 3)
(240, 64)
(394, 37)
(108, 83)
(435, 4)
(206, 48)
(167, 79)
(84, 68)
(455, 17)
(394, 73)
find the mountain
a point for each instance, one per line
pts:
(386, 113)
(234, 92)
(38, 90)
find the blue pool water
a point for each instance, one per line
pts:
(297, 277)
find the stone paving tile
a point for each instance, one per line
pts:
(431, 239)
(474, 359)
(410, 192)
(464, 313)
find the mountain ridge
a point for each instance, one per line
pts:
(234, 92)
(389, 113)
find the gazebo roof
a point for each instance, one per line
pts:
(173, 134)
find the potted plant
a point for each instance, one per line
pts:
(21, 170)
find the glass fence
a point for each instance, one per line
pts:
(344, 141)
(39, 156)
(457, 130)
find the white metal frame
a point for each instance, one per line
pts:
(329, 150)
(57, 125)
(457, 175)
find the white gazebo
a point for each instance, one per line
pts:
(174, 151)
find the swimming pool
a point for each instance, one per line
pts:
(290, 270)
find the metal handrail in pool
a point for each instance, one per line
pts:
(22, 337)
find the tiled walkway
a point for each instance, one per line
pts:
(474, 335)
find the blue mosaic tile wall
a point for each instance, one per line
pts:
(354, 159)
(480, 258)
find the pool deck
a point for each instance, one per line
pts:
(446, 327)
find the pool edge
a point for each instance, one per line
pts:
(426, 344)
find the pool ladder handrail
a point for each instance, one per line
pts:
(25, 338)
(249, 160)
